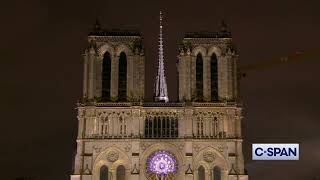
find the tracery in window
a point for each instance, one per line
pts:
(161, 127)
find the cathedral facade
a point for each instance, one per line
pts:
(123, 137)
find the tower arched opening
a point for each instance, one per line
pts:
(106, 76)
(199, 77)
(104, 173)
(122, 80)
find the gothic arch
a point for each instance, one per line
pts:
(106, 76)
(104, 48)
(123, 76)
(199, 76)
(216, 173)
(104, 173)
(121, 173)
(167, 147)
(199, 49)
(219, 159)
(202, 173)
(216, 50)
(123, 48)
(102, 160)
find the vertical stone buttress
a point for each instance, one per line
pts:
(90, 58)
(114, 76)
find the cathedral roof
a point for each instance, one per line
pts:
(206, 34)
(99, 31)
(222, 33)
(115, 32)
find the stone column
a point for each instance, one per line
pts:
(239, 157)
(188, 74)
(95, 123)
(196, 174)
(181, 76)
(98, 76)
(207, 174)
(225, 125)
(87, 124)
(229, 70)
(192, 77)
(142, 77)
(181, 125)
(130, 76)
(85, 75)
(220, 125)
(142, 123)
(205, 126)
(79, 158)
(188, 122)
(238, 118)
(113, 125)
(135, 122)
(98, 126)
(113, 174)
(232, 123)
(114, 76)
(91, 59)
(210, 126)
(235, 78)
(135, 78)
(81, 119)
(224, 174)
(189, 177)
(206, 78)
(195, 128)
(222, 77)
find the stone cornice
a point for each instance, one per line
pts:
(159, 104)
(169, 140)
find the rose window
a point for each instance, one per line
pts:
(162, 163)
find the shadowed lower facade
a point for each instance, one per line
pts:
(122, 137)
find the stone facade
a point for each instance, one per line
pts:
(227, 71)
(199, 134)
(131, 46)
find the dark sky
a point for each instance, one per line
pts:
(41, 75)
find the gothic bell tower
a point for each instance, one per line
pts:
(114, 66)
(207, 67)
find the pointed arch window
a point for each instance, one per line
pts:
(216, 173)
(121, 172)
(106, 76)
(214, 77)
(123, 126)
(201, 173)
(122, 80)
(200, 127)
(199, 77)
(215, 126)
(104, 126)
(104, 173)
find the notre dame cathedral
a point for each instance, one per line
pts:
(123, 137)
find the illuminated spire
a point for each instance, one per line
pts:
(161, 92)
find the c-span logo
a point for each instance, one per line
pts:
(275, 151)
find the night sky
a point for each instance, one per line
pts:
(41, 75)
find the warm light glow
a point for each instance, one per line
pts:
(162, 163)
